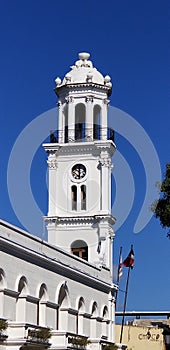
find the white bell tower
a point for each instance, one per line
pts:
(79, 216)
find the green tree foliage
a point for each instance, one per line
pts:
(162, 207)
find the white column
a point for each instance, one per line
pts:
(105, 192)
(89, 118)
(60, 123)
(42, 313)
(21, 309)
(93, 327)
(63, 319)
(2, 303)
(52, 165)
(105, 162)
(71, 119)
(80, 323)
(111, 318)
(110, 238)
(104, 111)
(110, 188)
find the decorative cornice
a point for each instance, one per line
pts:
(90, 147)
(86, 220)
(85, 85)
(51, 148)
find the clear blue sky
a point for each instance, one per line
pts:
(128, 40)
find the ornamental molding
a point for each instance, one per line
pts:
(70, 221)
(84, 84)
(87, 147)
(79, 220)
(105, 218)
(106, 145)
(51, 148)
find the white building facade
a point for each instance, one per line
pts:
(64, 286)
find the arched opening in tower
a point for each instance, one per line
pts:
(79, 122)
(96, 122)
(80, 249)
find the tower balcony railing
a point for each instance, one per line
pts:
(82, 134)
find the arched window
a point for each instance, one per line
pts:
(63, 296)
(78, 197)
(93, 323)
(105, 321)
(63, 302)
(80, 249)
(96, 122)
(74, 197)
(23, 285)
(94, 310)
(80, 122)
(22, 289)
(79, 322)
(41, 305)
(83, 197)
(105, 312)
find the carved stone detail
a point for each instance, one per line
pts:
(106, 101)
(106, 162)
(59, 104)
(69, 99)
(89, 99)
(52, 163)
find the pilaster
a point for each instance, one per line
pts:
(89, 118)
(71, 119)
(52, 166)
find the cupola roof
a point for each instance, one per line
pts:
(84, 72)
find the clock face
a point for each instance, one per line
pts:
(78, 171)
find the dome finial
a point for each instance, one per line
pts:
(83, 56)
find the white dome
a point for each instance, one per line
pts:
(84, 72)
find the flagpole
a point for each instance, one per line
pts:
(124, 307)
(118, 276)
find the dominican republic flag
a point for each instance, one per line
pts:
(129, 261)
